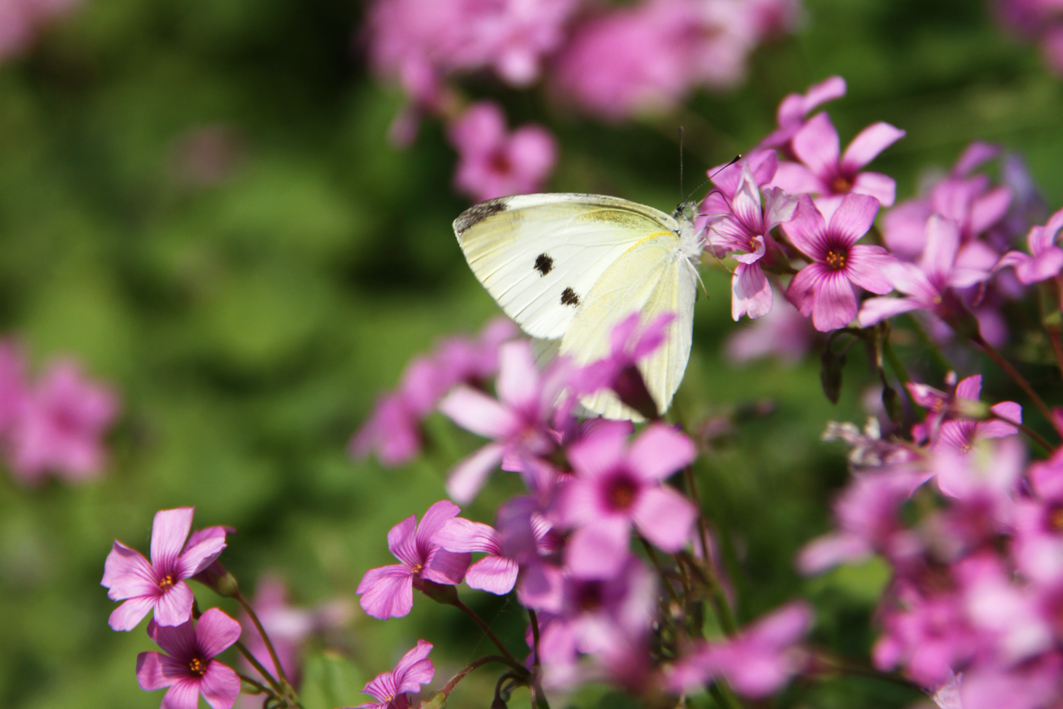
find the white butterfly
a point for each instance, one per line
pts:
(568, 267)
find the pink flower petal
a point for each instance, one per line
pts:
(174, 607)
(865, 268)
(130, 613)
(803, 287)
(598, 551)
(168, 534)
(989, 209)
(816, 144)
(875, 184)
(401, 540)
(599, 453)
(868, 144)
(494, 574)
(198, 557)
(215, 632)
(665, 517)
(414, 669)
(806, 228)
(751, 292)
(128, 574)
(469, 475)
(446, 567)
(518, 377)
(178, 640)
(460, 534)
(834, 304)
(433, 520)
(831, 550)
(475, 411)
(659, 451)
(875, 310)
(184, 694)
(853, 217)
(220, 685)
(1045, 265)
(386, 592)
(155, 671)
(796, 179)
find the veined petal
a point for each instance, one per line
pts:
(198, 557)
(477, 412)
(853, 217)
(816, 144)
(168, 533)
(660, 451)
(220, 685)
(806, 229)
(460, 534)
(184, 694)
(970, 388)
(446, 567)
(875, 184)
(665, 518)
(414, 669)
(494, 574)
(909, 278)
(942, 245)
(155, 671)
(128, 574)
(600, 452)
(178, 640)
(796, 179)
(174, 606)
(834, 304)
(433, 520)
(1008, 410)
(215, 632)
(865, 268)
(750, 292)
(130, 613)
(402, 541)
(779, 207)
(868, 144)
(803, 286)
(746, 203)
(469, 475)
(386, 591)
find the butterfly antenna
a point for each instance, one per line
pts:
(735, 159)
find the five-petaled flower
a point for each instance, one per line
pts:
(160, 584)
(390, 688)
(190, 668)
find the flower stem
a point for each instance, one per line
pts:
(257, 686)
(1015, 376)
(259, 668)
(288, 690)
(723, 695)
(450, 685)
(719, 598)
(490, 634)
(533, 620)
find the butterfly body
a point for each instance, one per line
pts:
(569, 267)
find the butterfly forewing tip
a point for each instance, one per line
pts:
(477, 213)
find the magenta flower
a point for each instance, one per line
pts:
(494, 163)
(756, 663)
(616, 487)
(948, 425)
(190, 668)
(783, 333)
(387, 591)
(825, 172)
(1045, 259)
(517, 422)
(795, 108)
(390, 688)
(61, 424)
(158, 585)
(824, 288)
(931, 283)
(741, 227)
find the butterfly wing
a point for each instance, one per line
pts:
(540, 255)
(652, 277)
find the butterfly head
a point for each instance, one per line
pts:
(685, 214)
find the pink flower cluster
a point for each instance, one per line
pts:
(22, 20)
(564, 546)
(611, 63)
(53, 425)
(1041, 20)
(970, 531)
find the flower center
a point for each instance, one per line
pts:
(167, 582)
(841, 185)
(198, 666)
(835, 260)
(500, 162)
(621, 493)
(590, 597)
(1055, 519)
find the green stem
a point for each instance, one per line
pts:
(533, 620)
(490, 634)
(286, 686)
(660, 569)
(724, 696)
(259, 668)
(449, 687)
(719, 598)
(258, 686)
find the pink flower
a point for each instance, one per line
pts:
(823, 171)
(494, 163)
(783, 333)
(60, 426)
(390, 688)
(953, 420)
(616, 487)
(22, 20)
(190, 668)
(1045, 259)
(517, 422)
(824, 288)
(387, 591)
(741, 226)
(794, 109)
(393, 430)
(159, 585)
(756, 663)
(931, 283)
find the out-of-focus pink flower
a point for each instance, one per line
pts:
(190, 668)
(783, 333)
(494, 163)
(518, 420)
(393, 429)
(160, 584)
(1045, 259)
(931, 283)
(616, 488)
(824, 288)
(741, 227)
(794, 109)
(387, 591)
(391, 689)
(951, 422)
(757, 662)
(60, 426)
(22, 20)
(1040, 20)
(825, 172)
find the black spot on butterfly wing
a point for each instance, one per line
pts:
(477, 213)
(569, 297)
(544, 264)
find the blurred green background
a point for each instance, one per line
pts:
(197, 198)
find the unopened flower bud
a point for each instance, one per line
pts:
(440, 593)
(219, 579)
(631, 388)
